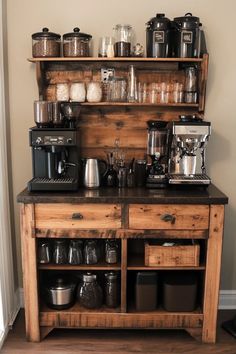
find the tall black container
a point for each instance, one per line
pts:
(187, 36)
(158, 37)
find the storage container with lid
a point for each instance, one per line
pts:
(146, 291)
(187, 36)
(76, 44)
(123, 37)
(112, 290)
(158, 37)
(46, 44)
(89, 292)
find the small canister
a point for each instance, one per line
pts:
(46, 44)
(77, 91)
(94, 91)
(112, 290)
(76, 44)
(140, 172)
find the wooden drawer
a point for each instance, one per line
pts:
(78, 216)
(173, 217)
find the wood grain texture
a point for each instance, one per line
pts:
(186, 255)
(92, 216)
(185, 217)
(120, 233)
(110, 318)
(212, 275)
(29, 265)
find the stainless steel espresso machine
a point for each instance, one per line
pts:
(55, 159)
(55, 146)
(188, 138)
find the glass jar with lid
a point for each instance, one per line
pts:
(76, 44)
(94, 91)
(111, 251)
(91, 252)
(46, 44)
(112, 290)
(89, 292)
(123, 36)
(77, 91)
(62, 91)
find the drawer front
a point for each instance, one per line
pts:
(78, 216)
(172, 217)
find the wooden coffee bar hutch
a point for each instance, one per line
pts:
(128, 214)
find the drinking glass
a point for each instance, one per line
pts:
(106, 47)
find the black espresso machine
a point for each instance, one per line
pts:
(55, 159)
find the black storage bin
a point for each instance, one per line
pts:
(179, 292)
(146, 291)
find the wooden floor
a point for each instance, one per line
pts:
(117, 341)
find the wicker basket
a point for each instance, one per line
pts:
(169, 256)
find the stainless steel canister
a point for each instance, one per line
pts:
(43, 113)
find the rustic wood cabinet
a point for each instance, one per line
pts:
(131, 216)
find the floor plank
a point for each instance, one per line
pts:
(117, 341)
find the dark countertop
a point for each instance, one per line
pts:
(170, 195)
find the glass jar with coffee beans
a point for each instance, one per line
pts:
(76, 44)
(46, 44)
(89, 292)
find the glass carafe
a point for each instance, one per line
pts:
(75, 254)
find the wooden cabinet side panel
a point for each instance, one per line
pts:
(29, 264)
(212, 275)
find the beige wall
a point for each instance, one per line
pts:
(98, 18)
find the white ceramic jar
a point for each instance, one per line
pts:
(77, 91)
(94, 92)
(62, 91)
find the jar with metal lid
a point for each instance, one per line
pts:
(89, 293)
(112, 290)
(76, 44)
(111, 251)
(46, 44)
(158, 37)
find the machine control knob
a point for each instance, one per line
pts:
(39, 140)
(69, 140)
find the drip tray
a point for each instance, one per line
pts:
(52, 184)
(197, 179)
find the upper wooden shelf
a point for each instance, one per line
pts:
(116, 59)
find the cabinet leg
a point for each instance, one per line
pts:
(44, 331)
(212, 278)
(196, 333)
(30, 279)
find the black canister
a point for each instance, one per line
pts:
(186, 36)
(158, 37)
(146, 291)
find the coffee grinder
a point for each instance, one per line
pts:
(157, 150)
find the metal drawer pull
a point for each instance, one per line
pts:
(168, 217)
(77, 216)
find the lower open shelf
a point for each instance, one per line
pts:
(79, 317)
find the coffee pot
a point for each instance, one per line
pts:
(93, 169)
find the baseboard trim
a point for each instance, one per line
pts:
(3, 335)
(227, 299)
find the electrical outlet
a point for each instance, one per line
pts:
(107, 74)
